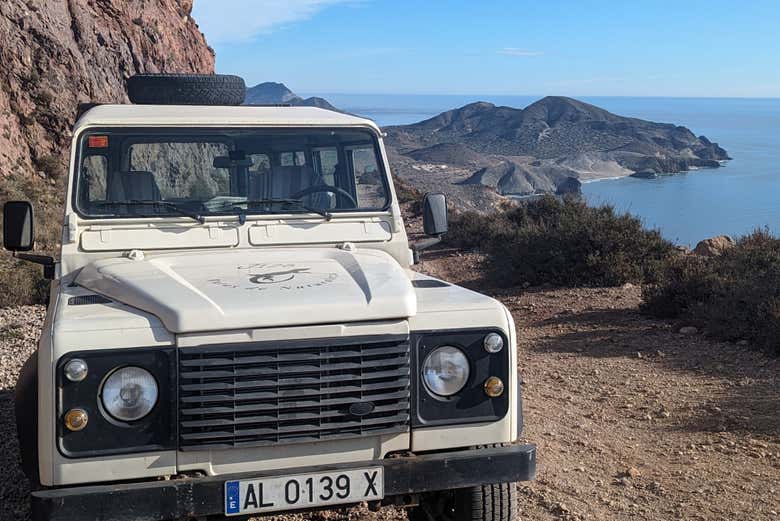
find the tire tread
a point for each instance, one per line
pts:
(186, 89)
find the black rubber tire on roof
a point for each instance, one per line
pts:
(186, 89)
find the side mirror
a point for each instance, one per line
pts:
(435, 214)
(18, 226)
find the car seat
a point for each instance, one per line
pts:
(133, 185)
(283, 182)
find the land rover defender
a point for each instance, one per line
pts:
(234, 327)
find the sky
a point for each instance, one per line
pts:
(685, 48)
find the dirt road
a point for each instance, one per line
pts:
(633, 420)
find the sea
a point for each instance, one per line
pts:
(734, 200)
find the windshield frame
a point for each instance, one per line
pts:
(83, 134)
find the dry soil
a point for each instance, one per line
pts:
(633, 420)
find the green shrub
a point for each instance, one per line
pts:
(735, 294)
(562, 242)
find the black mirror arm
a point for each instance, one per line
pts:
(44, 260)
(419, 247)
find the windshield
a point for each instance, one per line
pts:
(201, 172)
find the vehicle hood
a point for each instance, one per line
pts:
(241, 289)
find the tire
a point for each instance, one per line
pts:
(491, 502)
(26, 412)
(186, 89)
(496, 502)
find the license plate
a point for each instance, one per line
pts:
(252, 496)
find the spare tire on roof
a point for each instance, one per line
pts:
(186, 89)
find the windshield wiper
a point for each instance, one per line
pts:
(164, 204)
(298, 202)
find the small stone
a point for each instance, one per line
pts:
(688, 330)
(632, 472)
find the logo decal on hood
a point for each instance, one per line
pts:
(279, 276)
(274, 277)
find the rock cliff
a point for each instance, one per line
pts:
(56, 54)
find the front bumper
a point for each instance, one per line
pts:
(195, 497)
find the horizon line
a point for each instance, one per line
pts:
(337, 93)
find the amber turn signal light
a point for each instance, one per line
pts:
(76, 419)
(494, 387)
(97, 141)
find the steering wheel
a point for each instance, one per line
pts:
(325, 188)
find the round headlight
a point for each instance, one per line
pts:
(445, 370)
(129, 393)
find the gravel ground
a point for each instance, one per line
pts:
(633, 419)
(19, 331)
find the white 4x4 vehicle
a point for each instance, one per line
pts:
(234, 327)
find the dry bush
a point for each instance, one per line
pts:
(562, 242)
(407, 194)
(735, 294)
(22, 282)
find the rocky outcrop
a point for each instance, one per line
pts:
(714, 246)
(555, 138)
(272, 93)
(57, 54)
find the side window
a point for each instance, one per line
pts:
(370, 189)
(182, 170)
(325, 161)
(95, 171)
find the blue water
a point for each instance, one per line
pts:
(733, 200)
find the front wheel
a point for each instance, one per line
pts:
(493, 502)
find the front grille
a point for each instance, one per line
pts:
(265, 394)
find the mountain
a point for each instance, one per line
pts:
(272, 93)
(552, 144)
